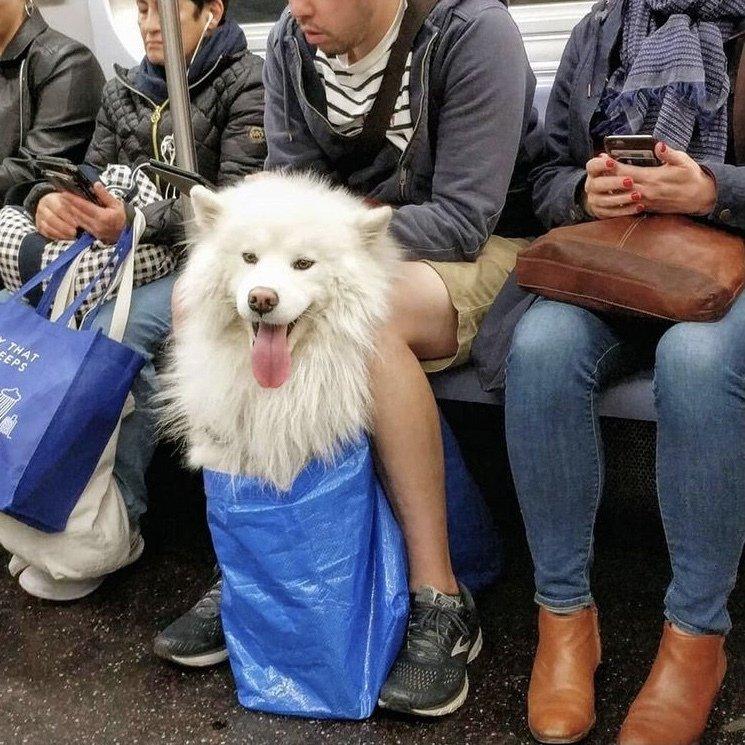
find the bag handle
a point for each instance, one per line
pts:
(369, 142)
(66, 291)
(65, 259)
(125, 282)
(122, 260)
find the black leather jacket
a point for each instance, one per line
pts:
(50, 91)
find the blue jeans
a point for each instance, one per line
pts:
(561, 358)
(147, 328)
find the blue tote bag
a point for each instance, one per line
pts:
(61, 392)
(315, 590)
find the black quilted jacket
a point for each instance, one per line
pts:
(227, 106)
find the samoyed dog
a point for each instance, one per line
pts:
(286, 285)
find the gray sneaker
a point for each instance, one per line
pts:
(196, 639)
(429, 676)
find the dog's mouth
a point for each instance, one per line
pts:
(271, 360)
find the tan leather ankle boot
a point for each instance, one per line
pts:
(561, 698)
(674, 705)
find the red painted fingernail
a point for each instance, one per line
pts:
(628, 183)
(610, 163)
(640, 208)
(636, 196)
(663, 147)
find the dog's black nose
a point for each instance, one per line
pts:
(261, 300)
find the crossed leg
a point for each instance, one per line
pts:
(423, 325)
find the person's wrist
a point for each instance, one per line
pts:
(584, 203)
(706, 192)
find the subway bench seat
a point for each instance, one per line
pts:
(628, 398)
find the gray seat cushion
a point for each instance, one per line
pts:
(630, 398)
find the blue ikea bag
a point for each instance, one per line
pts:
(61, 395)
(315, 589)
(475, 545)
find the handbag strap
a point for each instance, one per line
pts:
(48, 273)
(738, 106)
(66, 292)
(126, 284)
(121, 263)
(369, 142)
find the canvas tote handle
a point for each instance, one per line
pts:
(124, 279)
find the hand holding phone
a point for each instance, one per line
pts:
(65, 176)
(633, 150)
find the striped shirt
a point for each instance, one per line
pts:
(351, 88)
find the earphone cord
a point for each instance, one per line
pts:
(201, 39)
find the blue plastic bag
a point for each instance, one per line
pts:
(61, 395)
(315, 590)
(475, 545)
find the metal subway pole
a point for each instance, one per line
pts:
(178, 93)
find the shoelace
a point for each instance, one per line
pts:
(209, 605)
(430, 625)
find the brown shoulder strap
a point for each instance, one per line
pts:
(738, 105)
(372, 138)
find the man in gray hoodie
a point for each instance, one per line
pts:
(463, 130)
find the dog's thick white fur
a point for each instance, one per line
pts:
(330, 261)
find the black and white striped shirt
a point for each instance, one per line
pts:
(351, 88)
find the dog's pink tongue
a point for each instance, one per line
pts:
(271, 356)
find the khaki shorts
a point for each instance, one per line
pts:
(472, 286)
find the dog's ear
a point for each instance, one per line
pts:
(206, 206)
(373, 223)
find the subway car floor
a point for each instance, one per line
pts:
(84, 672)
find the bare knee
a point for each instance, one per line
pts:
(422, 315)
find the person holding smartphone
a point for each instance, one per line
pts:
(633, 67)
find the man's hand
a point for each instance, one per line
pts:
(608, 193)
(54, 217)
(679, 186)
(104, 222)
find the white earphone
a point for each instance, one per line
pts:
(208, 25)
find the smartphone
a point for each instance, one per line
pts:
(634, 150)
(65, 176)
(182, 179)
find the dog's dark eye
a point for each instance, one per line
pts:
(302, 264)
(250, 258)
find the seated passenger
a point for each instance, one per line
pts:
(563, 355)
(464, 109)
(134, 125)
(50, 91)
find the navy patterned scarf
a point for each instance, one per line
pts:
(672, 82)
(228, 39)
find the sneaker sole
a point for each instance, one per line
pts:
(64, 592)
(198, 660)
(454, 703)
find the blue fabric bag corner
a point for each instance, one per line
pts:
(475, 545)
(315, 589)
(61, 396)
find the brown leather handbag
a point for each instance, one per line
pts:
(660, 266)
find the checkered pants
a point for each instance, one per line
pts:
(151, 262)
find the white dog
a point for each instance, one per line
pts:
(284, 290)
